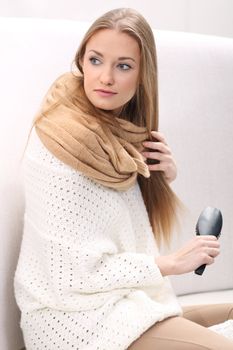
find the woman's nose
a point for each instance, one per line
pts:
(107, 77)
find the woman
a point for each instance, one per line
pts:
(98, 202)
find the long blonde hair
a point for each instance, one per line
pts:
(143, 110)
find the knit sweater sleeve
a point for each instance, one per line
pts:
(80, 233)
(97, 267)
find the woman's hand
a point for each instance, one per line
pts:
(200, 250)
(162, 153)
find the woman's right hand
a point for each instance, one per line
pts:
(198, 251)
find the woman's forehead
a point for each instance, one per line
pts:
(111, 41)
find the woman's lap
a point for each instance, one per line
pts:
(184, 333)
(208, 315)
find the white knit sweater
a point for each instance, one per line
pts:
(86, 276)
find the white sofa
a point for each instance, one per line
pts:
(196, 111)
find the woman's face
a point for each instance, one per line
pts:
(111, 69)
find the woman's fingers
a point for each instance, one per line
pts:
(159, 150)
(165, 167)
(211, 247)
(159, 136)
(213, 252)
(208, 241)
(157, 155)
(198, 251)
(157, 146)
(166, 164)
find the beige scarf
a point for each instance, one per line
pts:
(105, 153)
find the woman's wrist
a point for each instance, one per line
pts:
(166, 264)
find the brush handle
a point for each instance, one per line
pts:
(199, 271)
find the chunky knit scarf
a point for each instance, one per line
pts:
(105, 153)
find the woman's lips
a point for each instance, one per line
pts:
(105, 93)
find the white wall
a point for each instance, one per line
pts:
(213, 17)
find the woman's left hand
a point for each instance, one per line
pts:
(161, 152)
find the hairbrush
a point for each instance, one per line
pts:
(209, 223)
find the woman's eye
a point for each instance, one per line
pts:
(94, 60)
(124, 66)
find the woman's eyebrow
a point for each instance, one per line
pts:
(119, 58)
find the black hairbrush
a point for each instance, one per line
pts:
(209, 223)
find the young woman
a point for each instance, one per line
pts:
(89, 274)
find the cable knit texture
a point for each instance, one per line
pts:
(86, 276)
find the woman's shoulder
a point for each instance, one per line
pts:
(37, 153)
(38, 159)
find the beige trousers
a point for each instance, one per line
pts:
(188, 332)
